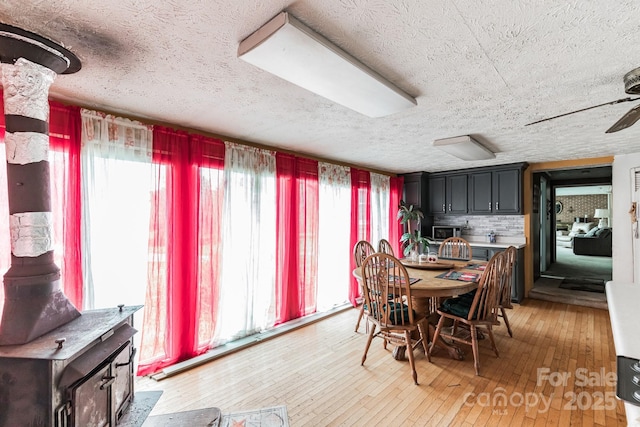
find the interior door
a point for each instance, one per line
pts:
(535, 223)
(547, 224)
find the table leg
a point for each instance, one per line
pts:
(419, 305)
(423, 305)
(453, 350)
(399, 352)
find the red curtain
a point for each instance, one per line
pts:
(172, 329)
(297, 236)
(208, 155)
(396, 185)
(360, 221)
(65, 131)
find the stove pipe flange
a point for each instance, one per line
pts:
(34, 301)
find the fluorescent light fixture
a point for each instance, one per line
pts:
(290, 50)
(464, 147)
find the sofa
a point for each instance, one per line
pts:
(597, 241)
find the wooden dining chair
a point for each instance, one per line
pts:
(388, 297)
(475, 310)
(361, 251)
(455, 248)
(385, 247)
(504, 303)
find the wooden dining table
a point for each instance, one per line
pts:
(426, 292)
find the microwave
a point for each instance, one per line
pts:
(441, 232)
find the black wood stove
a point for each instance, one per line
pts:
(80, 374)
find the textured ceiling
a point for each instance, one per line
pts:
(478, 67)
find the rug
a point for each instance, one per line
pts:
(581, 284)
(275, 416)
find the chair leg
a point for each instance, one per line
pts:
(423, 329)
(493, 342)
(369, 339)
(506, 321)
(436, 334)
(474, 346)
(360, 317)
(412, 363)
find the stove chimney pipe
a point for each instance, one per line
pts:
(34, 301)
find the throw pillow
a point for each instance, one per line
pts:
(593, 232)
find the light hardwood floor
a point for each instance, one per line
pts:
(557, 370)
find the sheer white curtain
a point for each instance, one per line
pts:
(334, 253)
(247, 285)
(116, 181)
(380, 193)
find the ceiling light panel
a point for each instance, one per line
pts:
(464, 147)
(288, 49)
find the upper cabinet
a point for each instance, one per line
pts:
(437, 195)
(457, 194)
(507, 191)
(448, 194)
(415, 190)
(497, 191)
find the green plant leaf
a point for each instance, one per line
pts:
(405, 237)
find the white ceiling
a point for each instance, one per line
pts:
(478, 67)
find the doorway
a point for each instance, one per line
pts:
(569, 201)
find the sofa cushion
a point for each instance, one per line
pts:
(580, 228)
(603, 232)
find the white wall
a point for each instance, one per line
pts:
(624, 247)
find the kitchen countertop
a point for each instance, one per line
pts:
(501, 242)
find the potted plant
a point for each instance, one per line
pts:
(412, 239)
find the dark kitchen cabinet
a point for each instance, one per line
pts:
(507, 191)
(492, 190)
(437, 195)
(480, 190)
(448, 194)
(416, 193)
(496, 191)
(415, 190)
(457, 194)
(485, 253)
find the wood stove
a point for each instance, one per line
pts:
(80, 374)
(58, 367)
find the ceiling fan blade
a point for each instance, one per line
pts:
(617, 101)
(627, 120)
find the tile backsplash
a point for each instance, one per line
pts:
(481, 225)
